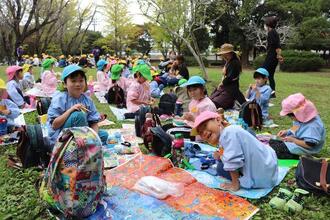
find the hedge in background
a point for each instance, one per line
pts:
(295, 61)
(191, 61)
(258, 61)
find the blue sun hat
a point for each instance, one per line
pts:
(100, 64)
(67, 71)
(262, 71)
(194, 80)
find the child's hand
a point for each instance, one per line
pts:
(188, 116)
(282, 133)
(77, 107)
(216, 155)
(230, 186)
(253, 86)
(5, 112)
(289, 139)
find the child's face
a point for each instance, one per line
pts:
(210, 131)
(141, 79)
(19, 74)
(75, 85)
(31, 70)
(260, 81)
(195, 93)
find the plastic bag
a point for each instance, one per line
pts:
(158, 188)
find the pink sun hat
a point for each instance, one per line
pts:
(303, 109)
(11, 71)
(204, 116)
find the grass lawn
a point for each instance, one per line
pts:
(19, 200)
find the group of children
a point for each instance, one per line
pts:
(244, 160)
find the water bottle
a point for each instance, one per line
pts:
(178, 110)
(3, 125)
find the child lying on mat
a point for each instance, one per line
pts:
(199, 100)
(307, 135)
(72, 107)
(247, 162)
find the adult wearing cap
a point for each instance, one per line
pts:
(228, 91)
(273, 50)
(14, 88)
(8, 109)
(139, 91)
(72, 107)
(102, 83)
(48, 77)
(261, 92)
(307, 136)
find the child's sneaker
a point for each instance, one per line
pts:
(295, 204)
(280, 199)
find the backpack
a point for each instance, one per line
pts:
(313, 175)
(161, 141)
(116, 96)
(74, 182)
(43, 105)
(32, 149)
(146, 129)
(251, 114)
(140, 118)
(167, 103)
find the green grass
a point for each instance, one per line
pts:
(19, 200)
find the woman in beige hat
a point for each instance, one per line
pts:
(228, 91)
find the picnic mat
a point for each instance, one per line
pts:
(114, 159)
(197, 198)
(36, 91)
(100, 97)
(215, 181)
(232, 117)
(119, 112)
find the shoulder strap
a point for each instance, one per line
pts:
(323, 174)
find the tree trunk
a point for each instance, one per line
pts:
(199, 56)
(245, 55)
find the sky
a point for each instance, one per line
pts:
(133, 10)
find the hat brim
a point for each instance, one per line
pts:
(284, 113)
(148, 77)
(115, 77)
(225, 52)
(190, 84)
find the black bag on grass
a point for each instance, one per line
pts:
(116, 96)
(32, 149)
(167, 103)
(140, 118)
(43, 105)
(251, 114)
(313, 175)
(161, 142)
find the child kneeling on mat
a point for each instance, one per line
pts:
(306, 136)
(247, 162)
(72, 108)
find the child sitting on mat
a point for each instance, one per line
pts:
(261, 92)
(307, 135)
(14, 88)
(199, 100)
(72, 107)
(8, 109)
(139, 92)
(247, 162)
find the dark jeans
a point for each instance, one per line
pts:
(282, 150)
(270, 66)
(221, 171)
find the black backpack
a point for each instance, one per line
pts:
(32, 149)
(140, 118)
(313, 175)
(116, 96)
(167, 103)
(251, 114)
(161, 142)
(43, 105)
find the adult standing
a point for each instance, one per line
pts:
(96, 53)
(225, 95)
(19, 53)
(273, 51)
